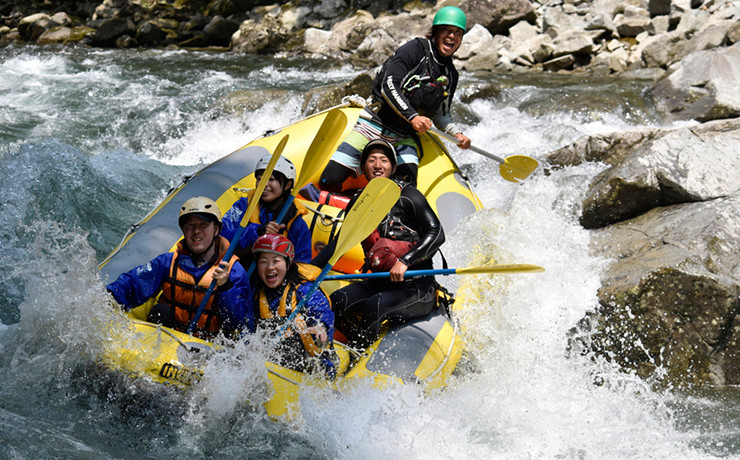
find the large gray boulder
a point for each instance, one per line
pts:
(498, 15)
(264, 37)
(668, 206)
(665, 167)
(669, 301)
(702, 86)
(375, 49)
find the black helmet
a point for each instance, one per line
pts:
(381, 144)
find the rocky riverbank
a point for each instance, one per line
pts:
(666, 208)
(608, 36)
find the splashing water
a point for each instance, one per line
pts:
(91, 141)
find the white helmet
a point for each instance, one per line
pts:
(202, 207)
(284, 166)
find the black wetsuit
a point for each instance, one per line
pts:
(361, 307)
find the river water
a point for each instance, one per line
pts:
(91, 140)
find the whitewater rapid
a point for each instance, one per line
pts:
(92, 140)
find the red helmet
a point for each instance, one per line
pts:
(276, 244)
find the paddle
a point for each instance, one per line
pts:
(316, 156)
(368, 211)
(513, 168)
(510, 268)
(242, 225)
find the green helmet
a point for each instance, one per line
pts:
(450, 15)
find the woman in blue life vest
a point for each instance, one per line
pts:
(281, 283)
(407, 238)
(412, 91)
(184, 276)
(271, 202)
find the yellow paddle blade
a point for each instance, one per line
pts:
(366, 213)
(323, 145)
(507, 268)
(263, 181)
(517, 167)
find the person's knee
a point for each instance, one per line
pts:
(334, 176)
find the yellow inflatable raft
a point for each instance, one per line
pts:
(422, 351)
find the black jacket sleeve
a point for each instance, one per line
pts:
(420, 216)
(395, 69)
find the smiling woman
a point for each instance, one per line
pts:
(281, 286)
(271, 201)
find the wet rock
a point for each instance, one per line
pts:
(218, 32)
(666, 212)
(109, 30)
(31, 27)
(58, 34)
(669, 302)
(664, 167)
(148, 34)
(702, 86)
(323, 98)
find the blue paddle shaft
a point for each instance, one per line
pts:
(284, 210)
(279, 220)
(408, 274)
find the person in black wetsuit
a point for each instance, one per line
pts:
(413, 89)
(408, 237)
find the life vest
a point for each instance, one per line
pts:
(389, 241)
(333, 199)
(425, 90)
(184, 294)
(287, 304)
(255, 217)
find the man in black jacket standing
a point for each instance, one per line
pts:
(412, 91)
